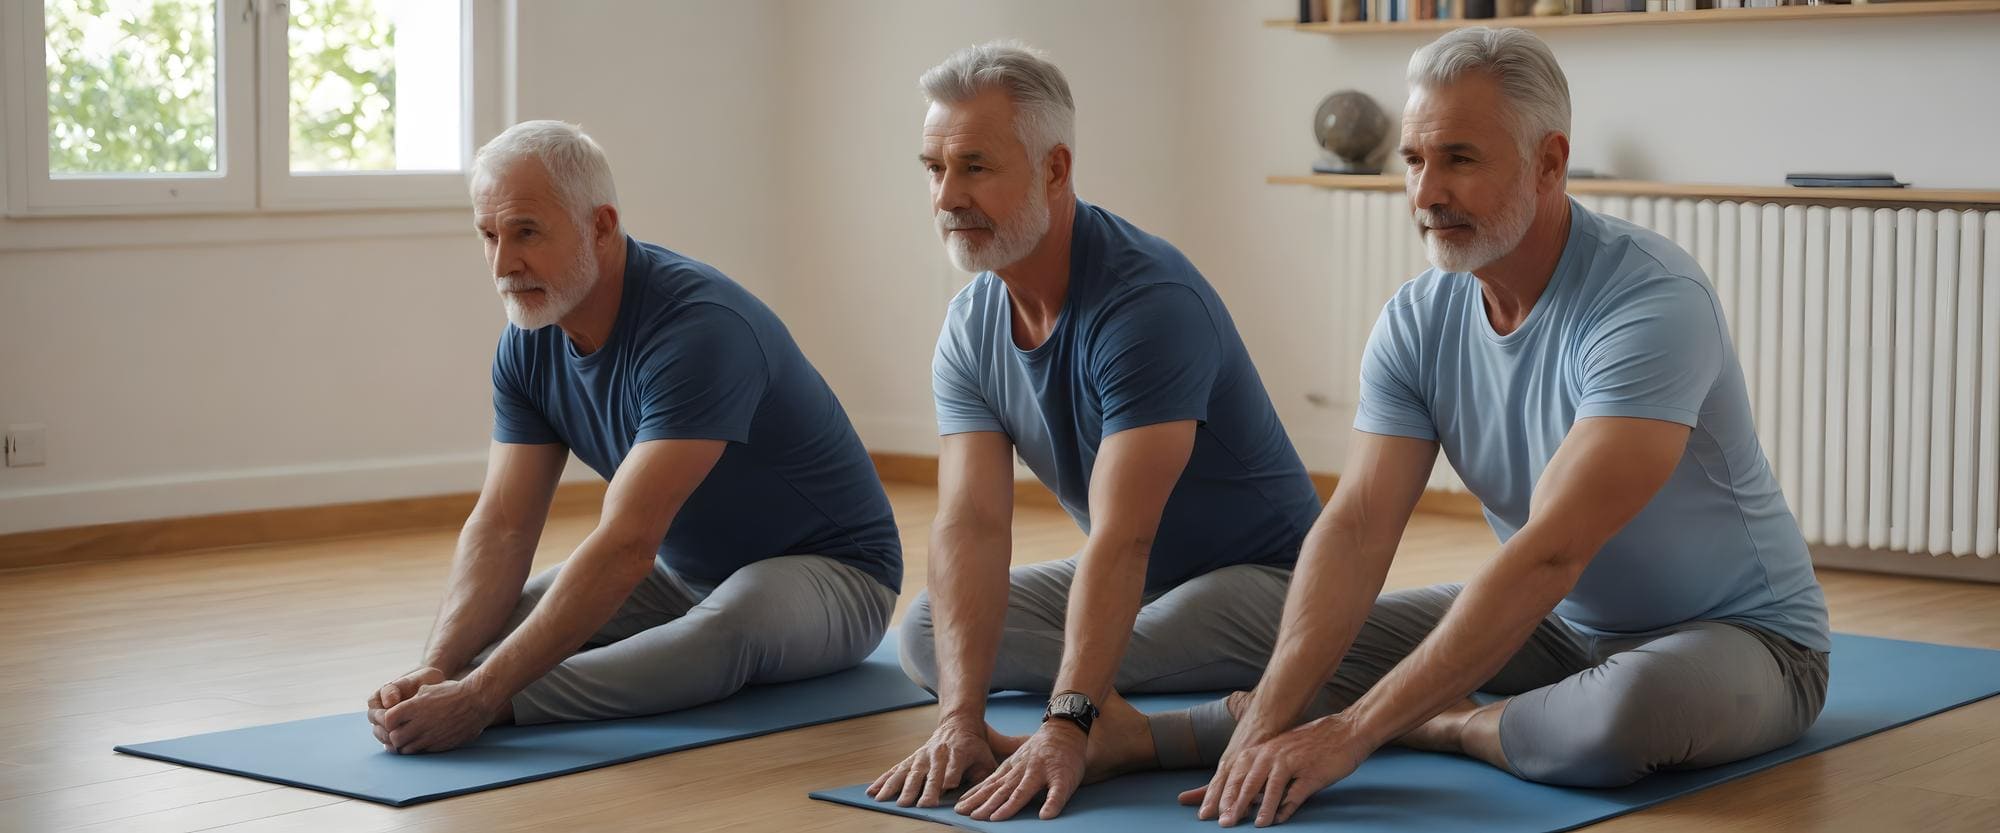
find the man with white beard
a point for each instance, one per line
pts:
(1101, 356)
(744, 538)
(1651, 605)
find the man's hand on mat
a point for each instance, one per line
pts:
(438, 718)
(957, 753)
(1279, 774)
(1052, 759)
(399, 689)
(402, 688)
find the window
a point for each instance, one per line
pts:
(231, 105)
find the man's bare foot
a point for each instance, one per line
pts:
(1238, 703)
(1003, 745)
(1443, 732)
(1121, 741)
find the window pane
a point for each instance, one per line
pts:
(375, 85)
(131, 86)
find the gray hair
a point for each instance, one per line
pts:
(1530, 79)
(575, 162)
(1044, 113)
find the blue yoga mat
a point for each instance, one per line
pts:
(339, 754)
(1877, 684)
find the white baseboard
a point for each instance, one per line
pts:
(274, 487)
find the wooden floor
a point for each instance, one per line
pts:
(92, 655)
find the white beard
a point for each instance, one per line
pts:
(1490, 241)
(557, 300)
(1012, 240)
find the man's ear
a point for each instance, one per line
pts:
(1552, 160)
(1059, 161)
(604, 225)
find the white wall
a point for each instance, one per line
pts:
(776, 140)
(189, 379)
(328, 358)
(1186, 105)
(1700, 103)
(867, 278)
(686, 99)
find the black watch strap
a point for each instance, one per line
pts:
(1073, 706)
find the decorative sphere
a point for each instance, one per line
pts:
(1350, 125)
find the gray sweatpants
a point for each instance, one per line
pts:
(1590, 711)
(1213, 631)
(676, 643)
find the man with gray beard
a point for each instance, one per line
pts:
(1102, 357)
(744, 537)
(1651, 604)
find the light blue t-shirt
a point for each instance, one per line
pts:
(1627, 327)
(1142, 339)
(693, 355)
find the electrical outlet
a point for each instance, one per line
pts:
(27, 445)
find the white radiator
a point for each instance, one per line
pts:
(1869, 337)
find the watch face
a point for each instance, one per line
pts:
(1069, 704)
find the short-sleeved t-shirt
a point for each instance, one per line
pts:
(1142, 339)
(1628, 327)
(693, 355)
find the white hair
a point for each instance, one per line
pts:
(1530, 79)
(1044, 113)
(575, 162)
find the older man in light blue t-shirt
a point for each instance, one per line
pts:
(1652, 604)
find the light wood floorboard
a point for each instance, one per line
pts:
(96, 654)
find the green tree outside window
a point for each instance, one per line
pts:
(132, 86)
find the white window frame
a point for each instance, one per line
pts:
(284, 189)
(34, 192)
(253, 134)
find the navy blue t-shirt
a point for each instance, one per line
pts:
(693, 355)
(1142, 339)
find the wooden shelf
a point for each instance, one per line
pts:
(1571, 21)
(1917, 197)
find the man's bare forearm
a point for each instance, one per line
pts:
(1103, 604)
(969, 587)
(1487, 624)
(594, 582)
(1340, 573)
(487, 573)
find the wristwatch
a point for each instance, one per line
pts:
(1072, 706)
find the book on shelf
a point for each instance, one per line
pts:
(1844, 180)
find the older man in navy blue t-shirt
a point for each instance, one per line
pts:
(745, 537)
(1099, 355)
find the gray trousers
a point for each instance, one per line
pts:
(1589, 711)
(1211, 632)
(675, 644)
